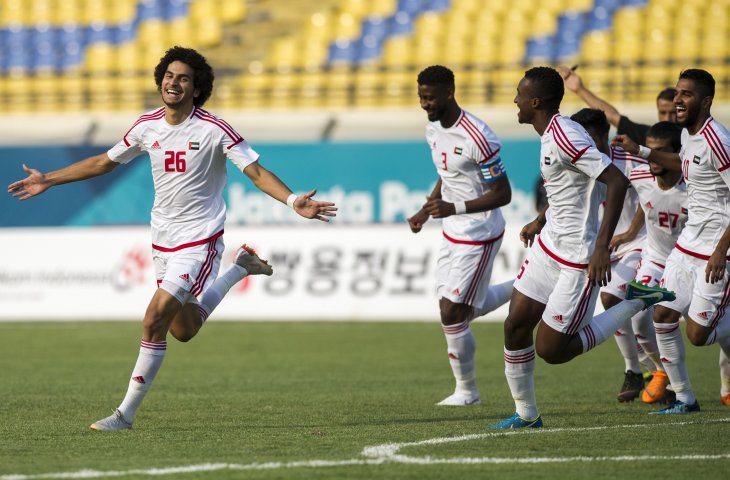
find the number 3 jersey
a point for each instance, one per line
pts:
(466, 156)
(665, 212)
(189, 173)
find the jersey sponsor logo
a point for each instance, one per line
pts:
(156, 145)
(139, 379)
(696, 160)
(458, 150)
(193, 145)
(186, 277)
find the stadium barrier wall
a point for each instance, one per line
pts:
(321, 272)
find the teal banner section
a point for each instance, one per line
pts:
(372, 182)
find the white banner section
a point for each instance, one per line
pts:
(322, 272)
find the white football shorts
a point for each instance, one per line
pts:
(186, 273)
(705, 303)
(649, 273)
(463, 270)
(623, 271)
(568, 296)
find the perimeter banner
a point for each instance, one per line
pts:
(321, 272)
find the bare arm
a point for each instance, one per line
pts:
(574, 83)
(528, 232)
(37, 182)
(304, 204)
(420, 217)
(668, 160)
(715, 269)
(499, 194)
(599, 267)
(624, 237)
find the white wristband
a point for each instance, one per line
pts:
(459, 207)
(644, 151)
(290, 200)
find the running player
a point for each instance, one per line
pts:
(556, 284)
(188, 148)
(472, 186)
(697, 266)
(625, 248)
(625, 126)
(663, 201)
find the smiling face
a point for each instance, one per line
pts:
(435, 100)
(689, 103)
(525, 101)
(178, 88)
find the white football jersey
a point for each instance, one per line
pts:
(705, 160)
(665, 212)
(626, 162)
(569, 165)
(466, 156)
(189, 173)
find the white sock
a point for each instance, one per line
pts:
(646, 337)
(603, 325)
(497, 295)
(626, 342)
(724, 368)
(671, 349)
(213, 295)
(519, 368)
(461, 346)
(148, 364)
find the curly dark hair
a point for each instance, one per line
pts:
(704, 82)
(547, 85)
(436, 75)
(202, 79)
(592, 118)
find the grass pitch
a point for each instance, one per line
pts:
(303, 400)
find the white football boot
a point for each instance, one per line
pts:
(461, 399)
(115, 421)
(246, 257)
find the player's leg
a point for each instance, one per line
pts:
(461, 283)
(208, 291)
(535, 281)
(725, 373)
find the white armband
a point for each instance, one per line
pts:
(644, 151)
(460, 208)
(290, 200)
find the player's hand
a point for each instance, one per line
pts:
(308, 207)
(599, 267)
(33, 185)
(619, 240)
(626, 143)
(715, 269)
(571, 79)
(528, 232)
(438, 208)
(416, 221)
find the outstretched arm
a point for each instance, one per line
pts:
(574, 83)
(668, 160)
(37, 182)
(304, 204)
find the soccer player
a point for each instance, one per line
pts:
(472, 186)
(697, 266)
(570, 257)
(188, 148)
(663, 201)
(625, 249)
(635, 131)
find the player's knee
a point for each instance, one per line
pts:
(696, 336)
(183, 335)
(549, 354)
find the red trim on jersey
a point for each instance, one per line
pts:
(580, 154)
(715, 144)
(658, 264)
(558, 259)
(563, 142)
(473, 242)
(618, 153)
(234, 143)
(479, 139)
(187, 245)
(694, 254)
(156, 115)
(207, 117)
(641, 176)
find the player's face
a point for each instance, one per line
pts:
(663, 145)
(666, 111)
(434, 100)
(688, 102)
(523, 100)
(178, 89)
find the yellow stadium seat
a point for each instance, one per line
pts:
(661, 46)
(210, 32)
(544, 22)
(100, 58)
(254, 90)
(483, 50)
(713, 46)
(122, 11)
(504, 84)
(131, 90)
(204, 9)
(129, 58)
(19, 92)
(597, 47)
(69, 12)
(311, 93)
(96, 11)
(102, 93)
(152, 31)
(400, 89)
(180, 31)
(429, 25)
(628, 21)
(427, 52)
(368, 88)
(15, 12)
(397, 52)
(42, 11)
(232, 10)
(382, 7)
(338, 85)
(73, 92)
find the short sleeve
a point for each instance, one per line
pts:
(129, 147)
(575, 148)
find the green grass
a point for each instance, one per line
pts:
(246, 393)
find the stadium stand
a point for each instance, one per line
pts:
(78, 55)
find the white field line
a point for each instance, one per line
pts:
(389, 453)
